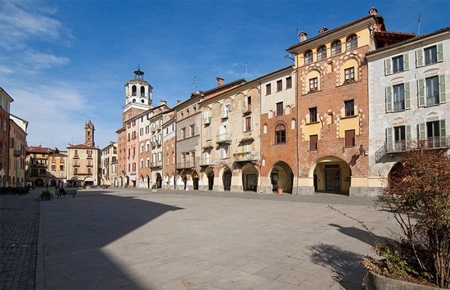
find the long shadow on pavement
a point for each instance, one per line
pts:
(75, 230)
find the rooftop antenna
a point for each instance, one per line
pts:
(246, 73)
(418, 26)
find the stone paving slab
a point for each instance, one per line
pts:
(134, 239)
(19, 227)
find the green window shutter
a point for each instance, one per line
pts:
(408, 133)
(387, 67)
(421, 93)
(442, 128)
(419, 58)
(440, 52)
(442, 89)
(407, 98)
(405, 61)
(422, 133)
(389, 142)
(388, 99)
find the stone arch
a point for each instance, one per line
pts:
(281, 177)
(330, 174)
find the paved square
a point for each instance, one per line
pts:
(134, 239)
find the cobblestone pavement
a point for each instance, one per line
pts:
(19, 229)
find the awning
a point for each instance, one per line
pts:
(89, 179)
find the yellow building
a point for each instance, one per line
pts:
(18, 141)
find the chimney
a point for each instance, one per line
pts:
(219, 81)
(162, 103)
(178, 102)
(303, 35)
(323, 29)
(373, 11)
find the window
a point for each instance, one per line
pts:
(226, 109)
(279, 86)
(183, 133)
(399, 97)
(433, 133)
(429, 55)
(192, 129)
(349, 108)
(432, 91)
(349, 138)
(279, 108)
(313, 84)
(268, 89)
(288, 82)
(397, 64)
(208, 133)
(133, 90)
(308, 57)
(313, 115)
(225, 152)
(336, 47)
(322, 53)
(247, 126)
(397, 138)
(352, 42)
(349, 74)
(313, 142)
(280, 134)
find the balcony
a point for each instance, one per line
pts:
(208, 144)
(157, 164)
(185, 164)
(158, 143)
(206, 162)
(224, 115)
(245, 156)
(90, 165)
(17, 153)
(207, 120)
(247, 109)
(76, 165)
(153, 144)
(89, 156)
(223, 138)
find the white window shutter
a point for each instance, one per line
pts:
(442, 97)
(388, 99)
(387, 67)
(405, 61)
(407, 97)
(389, 142)
(419, 58)
(421, 130)
(421, 93)
(408, 133)
(442, 128)
(440, 52)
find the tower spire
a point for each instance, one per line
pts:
(138, 74)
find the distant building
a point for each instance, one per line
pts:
(17, 156)
(83, 160)
(108, 165)
(36, 165)
(5, 101)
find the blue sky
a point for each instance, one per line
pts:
(66, 62)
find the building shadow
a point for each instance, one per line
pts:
(76, 231)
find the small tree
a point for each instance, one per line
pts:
(419, 198)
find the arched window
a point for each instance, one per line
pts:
(336, 47)
(322, 53)
(352, 42)
(308, 57)
(142, 163)
(148, 162)
(280, 134)
(133, 90)
(142, 148)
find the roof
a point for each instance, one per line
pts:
(81, 146)
(409, 40)
(377, 18)
(37, 149)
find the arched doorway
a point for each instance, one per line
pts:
(195, 180)
(249, 177)
(281, 177)
(158, 180)
(210, 175)
(226, 179)
(331, 174)
(396, 173)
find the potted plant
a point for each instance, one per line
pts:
(46, 195)
(418, 197)
(280, 186)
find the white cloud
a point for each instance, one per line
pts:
(20, 22)
(42, 60)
